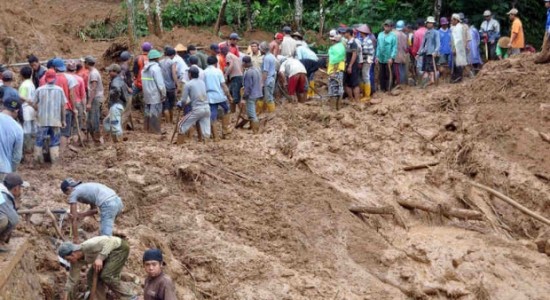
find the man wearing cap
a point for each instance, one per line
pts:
(460, 41)
(367, 48)
(234, 72)
(49, 102)
(158, 285)
(99, 197)
(194, 94)
(490, 33)
(445, 48)
(11, 137)
(38, 70)
(336, 65)
(231, 44)
(107, 255)
(7, 87)
(269, 75)
(544, 56)
(400, 65)
(79, 94)
(95, 98)
(252, 91)
(218, 97)
(68, 83)
(429, 51)
(169, 74)
(275, 45)
(192, 49)
(288, 45)
(139, 64)
(517, 38)
(118, 95)
(385, 54)
(10, 194)
(154, 92)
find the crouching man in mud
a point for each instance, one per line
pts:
(107, 254)
(10, 192)
(98, 196)
(158, 285)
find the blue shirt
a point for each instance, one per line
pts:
(11, 144)
(269, 67)
(445, 41)
(548, 21)
(9, 91)
(92, 193)
(213, 79)
(252, 84)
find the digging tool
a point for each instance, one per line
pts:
(92, 292)
(60, 211)
(435, 71)
(176, 126)
(390, 81)
(486, 41)
(78, 132)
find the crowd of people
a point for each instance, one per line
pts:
(65, 97)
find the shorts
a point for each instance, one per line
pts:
(352, 80)
(215, 107)
(428, 64)
(43, 132)
(235, 88)
(297, 84)
(113, 124)
(444, 59)
(170, 101)
(336, 84)
(68, 129)
(152, 110)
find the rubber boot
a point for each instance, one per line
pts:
(362, 89)
(366, 92)
(38, 157)
(181, 139)
(310, 92)
(259, 106)
(54, 154)
(270, 107)
(255, 125)
(213, 131)
(226, 127)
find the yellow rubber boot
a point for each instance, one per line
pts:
(259, 107)
(270, 107)
(310, 92)
(366, 92)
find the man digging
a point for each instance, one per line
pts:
(99, 197)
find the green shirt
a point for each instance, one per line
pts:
(387, 47)
(501, 52)
(336, 53)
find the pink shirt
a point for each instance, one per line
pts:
(417, 40)
(80, 90)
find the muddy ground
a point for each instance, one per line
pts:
(267, 216)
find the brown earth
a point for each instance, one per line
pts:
(267, 216)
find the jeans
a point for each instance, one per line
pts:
(94, 114)
(235, 88)
(214, 110)
(68, 129)
(251, 109)
(202, 115)
(268, 91)
(365, 73)
(108, 212)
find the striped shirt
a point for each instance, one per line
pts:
(50, 100)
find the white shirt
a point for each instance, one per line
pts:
(291, 67)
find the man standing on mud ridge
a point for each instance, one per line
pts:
(107, 255)
(194, 94)
(288, 45)
(154, 93)
(118, 95)
(517, 38)
(95, 98)
(158, 285)
(99, 197)
(275, 45)
(218, 97)
(231, 44)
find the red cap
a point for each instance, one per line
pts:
(279, 36)
(50, 76)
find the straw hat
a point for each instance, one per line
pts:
(503, 42)
(180, 48)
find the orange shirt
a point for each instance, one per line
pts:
(517, 28)
(222, 62)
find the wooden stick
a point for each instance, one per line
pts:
(54, 223)
(421, 166)
(94, 286)
(39, 211)
(544, 137)
(445, 210)
(382, 210)
(512, 202)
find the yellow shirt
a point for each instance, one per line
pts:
(517, 28)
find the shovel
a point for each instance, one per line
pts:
(390, 83)
(79, 132)
(91, 294)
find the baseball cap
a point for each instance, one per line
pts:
(215, 48)
(66, 249)
(388, 22)
(67, 183)
(146, 46)
(287, 29)
(234, 36)
(342, 30)
(7, 75)
(89, 59)
(152, 255)
(487, 13)
(114, 68)
(513, 11)
(247, 59)
(125, 55)
(400, 25)
(13, 179)
(50, 76)
(279, 36)
(59, 64)
(12, 103)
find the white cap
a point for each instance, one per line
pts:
(513, 11)
(487, 13)
(456, 17)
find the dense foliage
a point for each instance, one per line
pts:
(271, 15)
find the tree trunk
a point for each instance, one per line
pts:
(437, 9)
(220, 17)
(150, 22)
(298, 12)
(248, 15)
(131, 24)
(158, 18)
(321, 16)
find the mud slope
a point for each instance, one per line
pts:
(267, 216)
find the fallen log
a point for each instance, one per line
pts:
(512, 202)
(421, 166)
(40, 211)
(445, 210)
(383, 210)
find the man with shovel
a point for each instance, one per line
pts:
(107, 254)
(99, 197)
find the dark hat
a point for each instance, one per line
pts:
(215, 48)
(169, 51)
(7, 75)
(114, 68)
(152, 255)
(12, 103)
(69, 182)
(2, 68)
(146, 46)
(59, 64)
(89, 59)
(247, 59)
(67, 248)
(341, 30)
(388, 22)
(287, 29)
(125, 55)
(224, 50)
(13, 179)
(232, 36)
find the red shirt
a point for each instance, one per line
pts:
(232, 48)
(417, 40)
(84, 74)
(80, 90)
(61, 82)
(140, 62)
